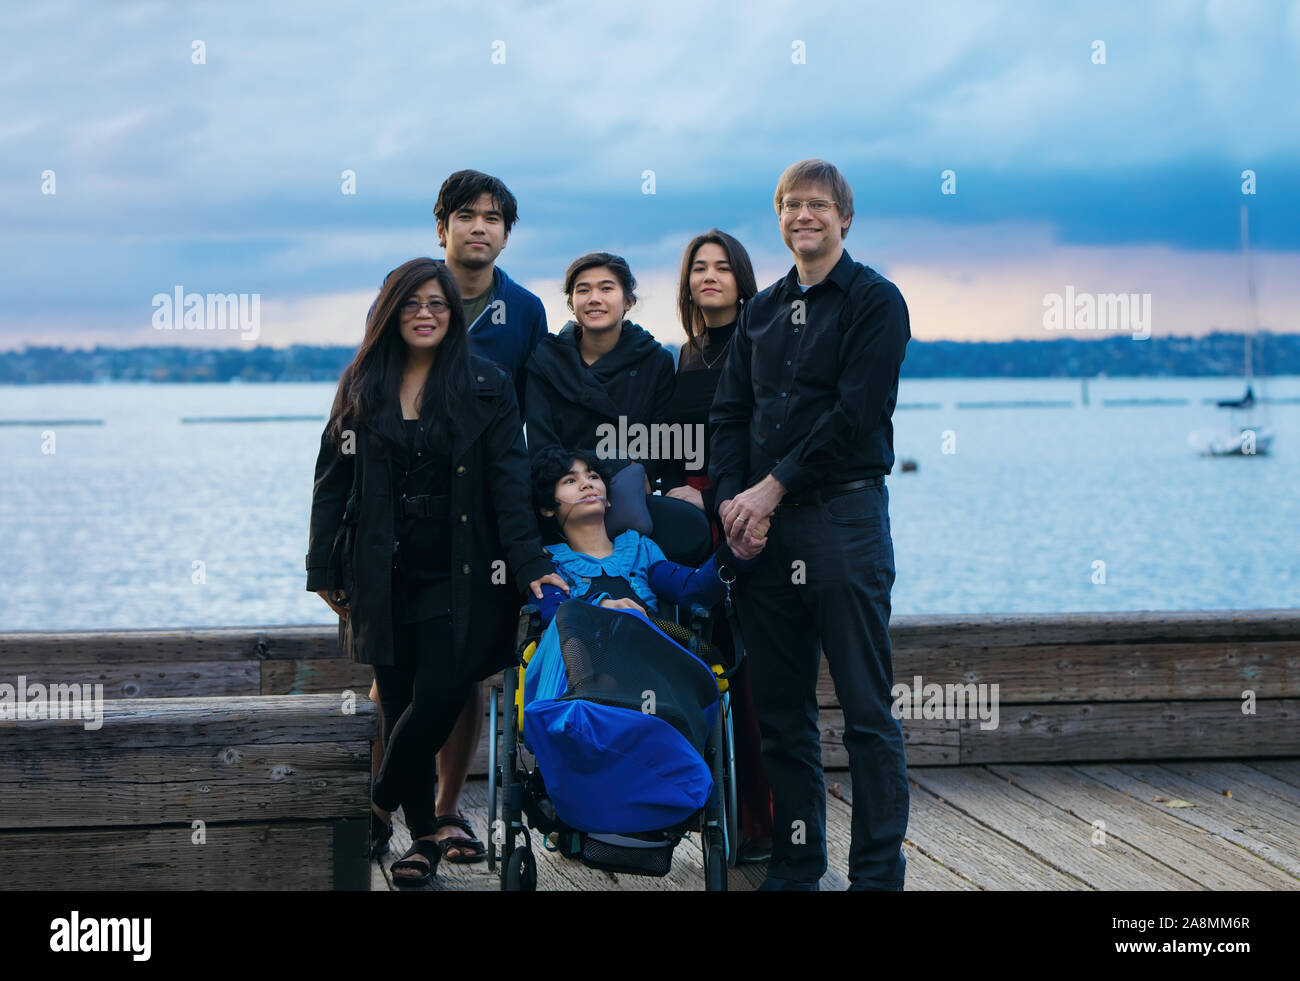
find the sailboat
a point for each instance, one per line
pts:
(1245, 435)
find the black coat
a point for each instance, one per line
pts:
(567, 400)
(492, 528)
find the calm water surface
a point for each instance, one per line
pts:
(106, 531)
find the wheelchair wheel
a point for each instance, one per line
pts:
(509, 822)
(731, 800)
(521, 871)
(494, 777)
(715, 862)
(713, 837)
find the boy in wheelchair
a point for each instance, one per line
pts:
(629, 571)
(609, 767)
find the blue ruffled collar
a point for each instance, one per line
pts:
(625, 549)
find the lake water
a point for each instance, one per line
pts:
(106, 531)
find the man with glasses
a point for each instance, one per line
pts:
(802, 439)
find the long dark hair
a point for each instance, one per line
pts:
(691, 316)
(369, 392)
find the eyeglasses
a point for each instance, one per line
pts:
(818, 206)
(412, 307)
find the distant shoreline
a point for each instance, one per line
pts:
(1218, 355)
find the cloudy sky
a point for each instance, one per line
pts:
(225, 176)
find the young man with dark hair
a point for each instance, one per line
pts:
(475, 214)
(802, 435)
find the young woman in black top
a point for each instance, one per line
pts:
(421, 501)
(716, 282)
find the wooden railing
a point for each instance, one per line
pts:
(1071, 687)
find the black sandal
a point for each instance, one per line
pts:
(471, 849)
(428, 850)
(380, 833)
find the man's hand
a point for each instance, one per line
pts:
(553, 578)
(747, 542)
(750, 507)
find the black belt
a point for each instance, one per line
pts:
(821, 494)
(424, 506)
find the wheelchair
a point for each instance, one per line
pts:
(518, 800)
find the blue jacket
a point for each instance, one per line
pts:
(507, 331)
(641, 562)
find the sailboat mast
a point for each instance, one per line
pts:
(1250, 289)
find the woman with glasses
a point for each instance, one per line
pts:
(421, 503)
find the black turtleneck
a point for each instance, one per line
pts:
(698, 371)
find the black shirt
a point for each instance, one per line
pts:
(698, 372)
(577, 405)
(810, 383)
(422, 565)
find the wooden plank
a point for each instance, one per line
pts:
(907, 633)
(1134, 730)
(1218, 815)
(1032, 629)
(124, 678)
(142, 646)
(924, 873)
(971, 850)
(1055, 836)
(1209, 859)
(1102, 672)
(1266, 809)
(1288, 771)
(293, 855)
(304, 676)
(144, 722)
(165, 785)
(1244, 783)
(927, 742)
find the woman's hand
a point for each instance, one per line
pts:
(687, 493)
(553, 579)
(623, 604)
(337, 600)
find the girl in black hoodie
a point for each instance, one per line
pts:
(598, 368)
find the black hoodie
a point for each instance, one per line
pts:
(566, 399)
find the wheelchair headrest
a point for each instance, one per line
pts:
(680, 530)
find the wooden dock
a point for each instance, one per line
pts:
(1126, 826)
(1139, 750)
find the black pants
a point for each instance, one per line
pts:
(825, 576)
(421, 703)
